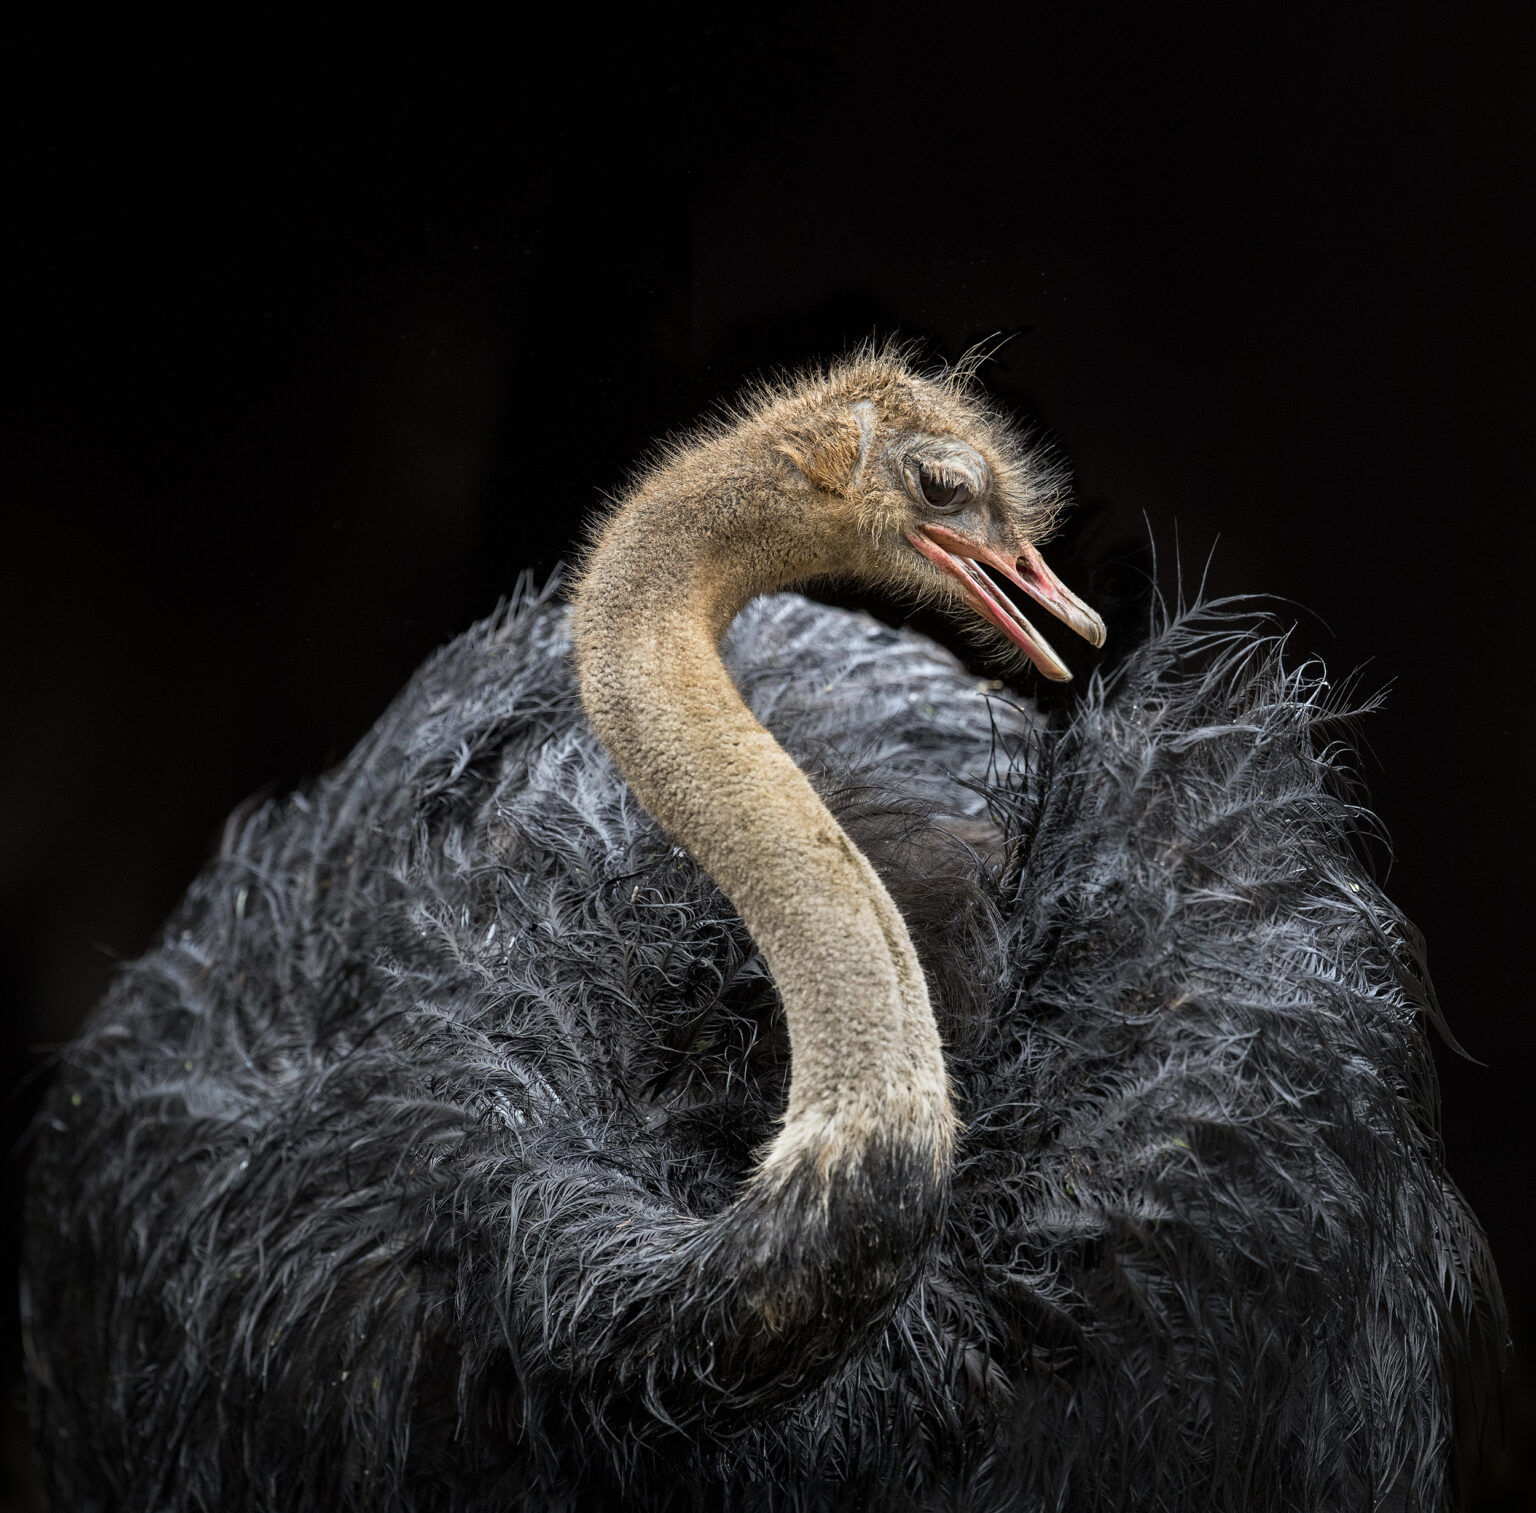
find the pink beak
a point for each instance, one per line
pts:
(959, 555)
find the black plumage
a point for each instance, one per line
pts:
(349, 1195)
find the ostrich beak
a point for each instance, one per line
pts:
(959, 556)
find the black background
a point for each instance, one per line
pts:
(310, 347)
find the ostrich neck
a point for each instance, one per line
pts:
(663, 585)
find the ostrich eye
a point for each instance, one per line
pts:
(940, 493)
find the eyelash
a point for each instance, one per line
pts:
(925, 479)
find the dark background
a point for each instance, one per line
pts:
(307, 357)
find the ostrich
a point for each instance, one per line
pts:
(702, 1050)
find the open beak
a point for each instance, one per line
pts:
(961, 557)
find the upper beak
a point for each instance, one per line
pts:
(959, 555)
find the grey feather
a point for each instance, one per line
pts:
(375, 1183)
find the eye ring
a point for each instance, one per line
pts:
(937, 490)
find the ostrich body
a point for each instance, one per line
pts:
(699, 1052)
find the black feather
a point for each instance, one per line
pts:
(374, 1184)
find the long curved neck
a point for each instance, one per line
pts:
(663, 584)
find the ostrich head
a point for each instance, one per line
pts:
(931, 489)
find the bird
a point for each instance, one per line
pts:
(709, 1049)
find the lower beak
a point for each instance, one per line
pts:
(960, 556)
